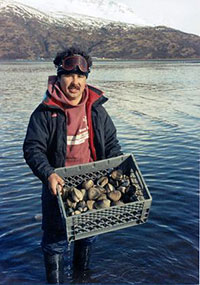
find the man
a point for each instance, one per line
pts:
(69, 127)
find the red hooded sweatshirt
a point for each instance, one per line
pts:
(78, 131)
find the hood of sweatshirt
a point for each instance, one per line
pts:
(55, 98)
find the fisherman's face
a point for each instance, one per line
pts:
(73, 86)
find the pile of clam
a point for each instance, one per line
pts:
(113, 190)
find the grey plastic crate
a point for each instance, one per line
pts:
(101, 221)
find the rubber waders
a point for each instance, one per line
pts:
(54, 265)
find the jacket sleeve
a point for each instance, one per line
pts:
(112, 146)
(36, 144)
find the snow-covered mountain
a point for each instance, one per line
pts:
(24, 11)
(29, 33)
(76, 20)
(105, 9)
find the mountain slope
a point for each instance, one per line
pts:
(26, 33)
(105, 9)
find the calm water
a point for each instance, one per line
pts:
(155, 106)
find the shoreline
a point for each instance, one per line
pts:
(95, 59)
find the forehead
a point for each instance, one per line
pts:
(71, 76)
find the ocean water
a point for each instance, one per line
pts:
(155, 107)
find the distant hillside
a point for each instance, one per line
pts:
(26, 33)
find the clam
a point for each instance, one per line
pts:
(101, 204)
(70, 204)
(122, 189)
(117, 203)
(102, 196)
(140, 198)
(115, 183)
(77, 212)
(93, 193)
(114, 195)
(81, 204)
(133, 181)
(84, 192)
(87, 184)
(90, 204)
(125, 182)
(117, 174)
(115, 189)
(101, 189)
(138, 193)
(80, 209)
(102, 181)
(109, 187)
(65, 192)
(76, 195)
(132, 177)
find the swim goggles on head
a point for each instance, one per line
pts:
(71, 62)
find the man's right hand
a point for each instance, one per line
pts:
(54, 181)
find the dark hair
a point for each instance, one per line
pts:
(71, 51)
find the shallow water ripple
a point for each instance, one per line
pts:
(155, 106)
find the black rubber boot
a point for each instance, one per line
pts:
(81, 262)
(54, 265)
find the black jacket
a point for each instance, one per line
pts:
(45, 143)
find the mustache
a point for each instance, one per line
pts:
(72, 85)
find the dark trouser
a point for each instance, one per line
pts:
(54, 246)
(54, 242)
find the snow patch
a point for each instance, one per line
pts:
(105, 9)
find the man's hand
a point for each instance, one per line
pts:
(55, 181)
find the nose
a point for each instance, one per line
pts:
(75, 79)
